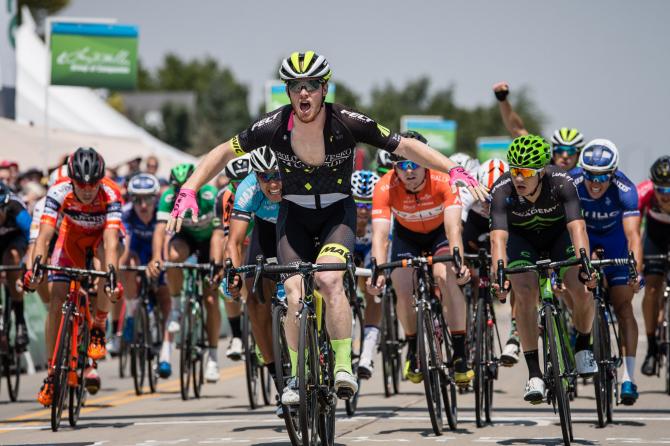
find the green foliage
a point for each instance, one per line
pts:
(221, 103)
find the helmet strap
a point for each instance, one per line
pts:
(537, 187)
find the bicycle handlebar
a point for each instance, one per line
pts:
(415, 262)
(11, 268)
(78, 273)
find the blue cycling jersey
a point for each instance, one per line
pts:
(17, 219)
(141, 234)
(250, 200)
(606, 214)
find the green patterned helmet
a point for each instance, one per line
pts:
(529, 151)
(179, 174)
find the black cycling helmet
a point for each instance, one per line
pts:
(86, 166)
(660, 171)
(409, 134)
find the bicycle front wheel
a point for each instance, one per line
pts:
(481, 364)
(78, 394)
(559, 371)
(665, 343)
(601, 353)
(309, 380)
(283, 371)
(138, 350)
(200, 348)
(61, 369)
(251, 366)
(186, 351)
(430, 366)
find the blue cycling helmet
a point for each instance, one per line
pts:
(143, 184)
(599, 155)
(363, 183)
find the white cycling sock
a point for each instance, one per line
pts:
(166, 351)
(213, 353)
(370, 338)
(628, 369)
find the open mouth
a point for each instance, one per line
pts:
(305, 106)
(274, 191)
(596, 189)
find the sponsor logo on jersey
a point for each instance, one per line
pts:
(357, 116)
(265, 121)
(383, 130)
(598, 215)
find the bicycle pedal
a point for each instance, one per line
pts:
(345, 394)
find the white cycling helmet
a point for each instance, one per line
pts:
(489, 172)
(238, 168)
(307, 65)
(599, 155)
(466, 161)
(567, 137)
(363, 183)
(263, 159)
(143, 184)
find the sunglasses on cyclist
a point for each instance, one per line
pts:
(569, 150)
(406, 165)
(663, 190)
(146, 199)
(597, 177)
(87, 186)
(525, 172)
(266, 177)
(363, 205)
(310, 85)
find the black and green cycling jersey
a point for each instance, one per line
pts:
(540, 222)
(207, 219)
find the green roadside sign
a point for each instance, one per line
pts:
(440, 133)
(94, 55)
(275, 95)
(492, 147)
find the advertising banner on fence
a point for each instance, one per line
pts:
(492, 147)
(440, 132)
(94, 55)
(275, 95)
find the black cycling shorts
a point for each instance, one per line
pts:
(195, 246)
(654, 246)
(334, 227)
(521, 252)
(263, 241)
(406, 244)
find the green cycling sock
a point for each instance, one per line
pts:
(294, 361)
(342, 349)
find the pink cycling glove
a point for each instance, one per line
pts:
(185, 200)
(460, 177)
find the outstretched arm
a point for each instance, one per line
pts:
(511, 119)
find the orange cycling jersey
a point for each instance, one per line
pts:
(420, 212)
(88, 219)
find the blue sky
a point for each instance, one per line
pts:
(600, 66)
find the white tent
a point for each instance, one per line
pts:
(77, 109)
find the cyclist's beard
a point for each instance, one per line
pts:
(311, 118)
(416, 189)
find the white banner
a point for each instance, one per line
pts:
(8, 24)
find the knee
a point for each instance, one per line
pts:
(329, 283)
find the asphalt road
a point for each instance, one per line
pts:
(115, 416)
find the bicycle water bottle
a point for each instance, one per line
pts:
(281, 292)
(224, 292)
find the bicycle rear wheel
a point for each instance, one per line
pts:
(61, 369)
(138, 350)
(78, 394)
(11, 369)
(251, 366)
(430, 366)
(283, 371)
(356, 348)
(560, 382)
(327, 403)
(186, 351)
(602, 357)
(309, 380)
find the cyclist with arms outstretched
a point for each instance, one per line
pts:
(314, 143)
